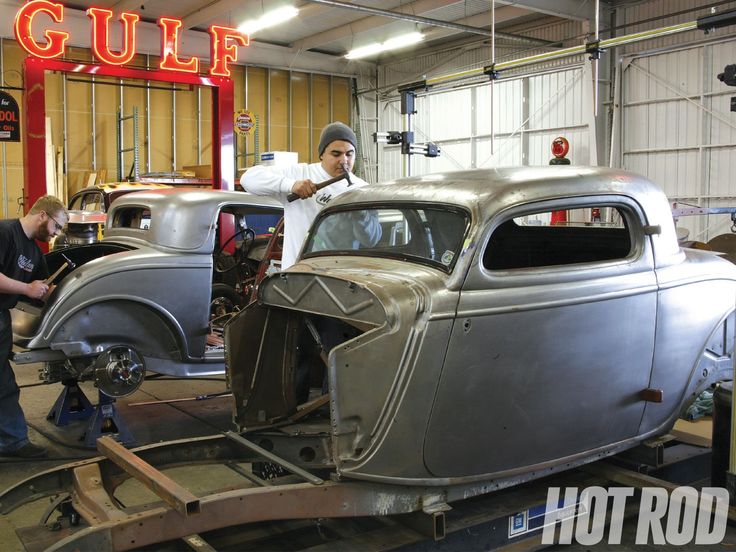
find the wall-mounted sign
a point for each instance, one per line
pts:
(245, 122)
(223, 40)
(9, 118)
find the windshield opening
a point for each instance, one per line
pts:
(431, 235)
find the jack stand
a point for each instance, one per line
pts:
(106, 421)
(72, 404)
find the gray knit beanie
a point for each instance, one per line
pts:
(336, 131)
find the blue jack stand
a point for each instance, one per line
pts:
(71, 405)
(106, 421)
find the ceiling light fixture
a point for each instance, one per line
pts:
(391, 44)
(270, 19)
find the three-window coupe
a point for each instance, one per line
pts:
(142, 297)
(480, 338)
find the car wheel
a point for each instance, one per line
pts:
(224, 300)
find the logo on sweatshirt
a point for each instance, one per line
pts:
(25, 264)
(323, 199)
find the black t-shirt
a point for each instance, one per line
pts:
(20, 259)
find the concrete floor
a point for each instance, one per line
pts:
(146, 423)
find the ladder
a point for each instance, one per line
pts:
(134, 173)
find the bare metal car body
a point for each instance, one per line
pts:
(88, 211)
(497, 351)
(142, 292)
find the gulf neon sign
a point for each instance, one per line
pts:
(223, 40)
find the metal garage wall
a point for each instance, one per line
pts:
(526, 114)
(678, 129)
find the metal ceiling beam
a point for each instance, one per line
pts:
(353, 27)
(580, 10)
(221, 7)
(209, 12)
(365, 24)
(503, 14)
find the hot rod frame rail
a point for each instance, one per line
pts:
(85, 490)
(414, 513)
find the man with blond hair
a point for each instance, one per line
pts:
(22, 272)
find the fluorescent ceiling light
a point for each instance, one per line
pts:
(270, 19)
(391, 44)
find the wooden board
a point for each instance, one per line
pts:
(698, 433)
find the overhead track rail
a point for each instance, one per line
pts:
(432, 22)
(593, 48)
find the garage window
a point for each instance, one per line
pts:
(561, 237)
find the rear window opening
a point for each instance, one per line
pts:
(557, 238)
(132, 217)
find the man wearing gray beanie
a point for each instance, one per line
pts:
(336, 150)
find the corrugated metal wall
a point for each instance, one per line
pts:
(527, 114)
(661, 13)
(679, 131)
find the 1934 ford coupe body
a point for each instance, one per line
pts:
(142, 295)
(477, 339)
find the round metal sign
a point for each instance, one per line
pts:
(245, 122)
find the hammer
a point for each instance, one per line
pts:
(346, 175)
(68, 263)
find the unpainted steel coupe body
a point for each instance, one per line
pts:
(478, 339)
(142, 296)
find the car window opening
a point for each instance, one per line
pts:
(428, 235)
(536, 240)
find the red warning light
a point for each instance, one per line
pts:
(560, 147)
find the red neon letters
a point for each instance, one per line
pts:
(170, 45)
(223, 40)
(55, 40)
(221, 52)
(101, 36)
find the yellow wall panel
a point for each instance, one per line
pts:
(341, 100)
(256, 103)
(11, 153)
(279, 111)
(79, 133)
(206, 137)
(186, 127)
(107, 104)
(237, 74)
(160, 131)
(300, 116)
(321, 101)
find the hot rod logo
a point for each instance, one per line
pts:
(684, 516)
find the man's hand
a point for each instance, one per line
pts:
(304, 188)
(37, 289)
(45, 298)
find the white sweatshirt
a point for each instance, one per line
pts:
(277, 182)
